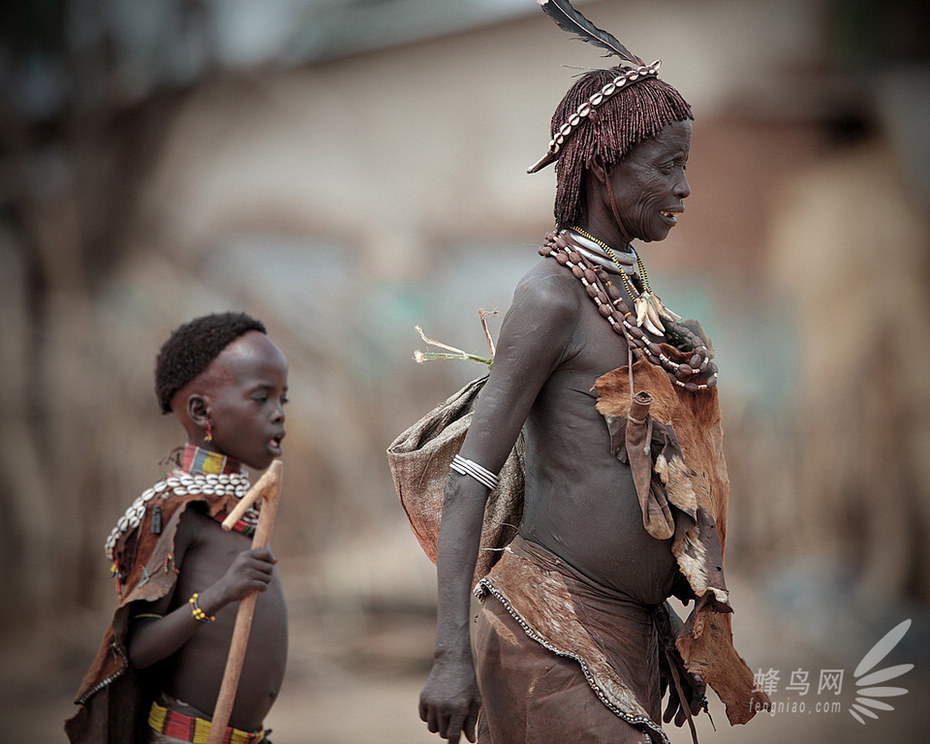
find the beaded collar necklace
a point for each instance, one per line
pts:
(650, 310)
(598, 252)
(199, 472)
(675, 348)
(199, 461)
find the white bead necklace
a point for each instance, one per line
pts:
(178, 483)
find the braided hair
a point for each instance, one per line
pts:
(636, 113)
(192, 347)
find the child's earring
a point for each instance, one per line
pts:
(209, 436)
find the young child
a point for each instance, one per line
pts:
(179, 575)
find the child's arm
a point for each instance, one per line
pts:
(157, 632)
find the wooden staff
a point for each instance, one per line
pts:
(268, 487)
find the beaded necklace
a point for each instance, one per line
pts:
(649, 308)
(678, 350)
(197, 460)
(596, 251)
(209, 474)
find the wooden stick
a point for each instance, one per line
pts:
(268, 487)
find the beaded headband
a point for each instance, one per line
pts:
(581, 114)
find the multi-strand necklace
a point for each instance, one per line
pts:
(215, 486)
(677, 349)
(199, 473)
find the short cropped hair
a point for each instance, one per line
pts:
(637, 112)
(192, 347)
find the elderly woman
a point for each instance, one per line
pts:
(626, 486)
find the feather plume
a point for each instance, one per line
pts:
(570, 20)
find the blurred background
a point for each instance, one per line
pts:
(348, 169)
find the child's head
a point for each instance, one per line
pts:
(226, 381)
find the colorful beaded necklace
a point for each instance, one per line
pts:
(677, 349)
(198, 461)
(650, 310)
(200, 471)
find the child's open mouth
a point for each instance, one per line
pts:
(274, 444)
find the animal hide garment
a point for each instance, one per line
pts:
(683, 488)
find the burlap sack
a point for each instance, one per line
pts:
(419, 459)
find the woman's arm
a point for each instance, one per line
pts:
(535, 337)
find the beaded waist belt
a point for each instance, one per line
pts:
(191, 728)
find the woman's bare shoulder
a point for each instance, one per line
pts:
(550, 289)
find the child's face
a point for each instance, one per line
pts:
(245, 400)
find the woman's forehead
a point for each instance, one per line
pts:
(673, 138)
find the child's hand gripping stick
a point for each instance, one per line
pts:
(268, 487)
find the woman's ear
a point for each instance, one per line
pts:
(597, 168)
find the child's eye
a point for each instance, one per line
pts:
(285, 400)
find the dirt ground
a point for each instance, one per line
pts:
(354, 677)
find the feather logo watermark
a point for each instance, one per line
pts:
(819, 691)
(870, 689)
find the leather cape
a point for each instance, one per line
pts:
(114, 697)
